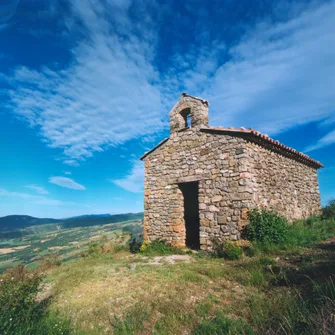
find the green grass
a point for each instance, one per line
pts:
(299, 235)
(159, 248)
(221, 325)
(285, 288)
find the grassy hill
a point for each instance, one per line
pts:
(263, 286)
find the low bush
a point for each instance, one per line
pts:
(20, 311)
(105, 249)
(228, 250)
(328, 212)
(50, 262)
(312, 220)
(266, 226)
(135, 243)
(159, 248)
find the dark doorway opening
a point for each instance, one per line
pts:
(191, 214)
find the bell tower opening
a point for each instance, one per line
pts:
(186, 114)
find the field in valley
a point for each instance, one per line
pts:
(39, 242)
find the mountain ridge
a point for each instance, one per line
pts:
(16, 222)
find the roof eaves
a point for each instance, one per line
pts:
(154, 148)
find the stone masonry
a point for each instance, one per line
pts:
(236, 169)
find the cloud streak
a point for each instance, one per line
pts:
(133, 182)
(35, 199)
(323, 142)
(104, 97)
(38, 189)
(279, 75)
(7, 10)
(66, 183)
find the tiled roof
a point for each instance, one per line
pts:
(265, 140)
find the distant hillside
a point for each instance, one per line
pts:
(94, 220)
(13, 222)
(17, 222)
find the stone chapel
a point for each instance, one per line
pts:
(201, 181)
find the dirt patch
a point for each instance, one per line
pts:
(21, 247)
(172, 259)
(94, 238)
(57, 248)
(4, 251)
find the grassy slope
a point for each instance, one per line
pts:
(277, 291)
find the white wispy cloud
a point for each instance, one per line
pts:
(68, 172)
(279, 75)
(66, 182)
(7, 10)
(105, 96)
(133, 182)
(326, 140)
(35, 199)
(38, 189)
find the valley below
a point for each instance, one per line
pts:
(67, 239)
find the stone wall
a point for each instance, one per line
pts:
(283, 184)
(233, 175)
(217, 162)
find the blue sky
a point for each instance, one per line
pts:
(86, 87)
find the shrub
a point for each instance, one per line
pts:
(135, 243)
(266, 226)
(312, 220)
(104, 249)
(20, 311)
(328, 212)
(228, 250)
(159, 248)
(49, 262)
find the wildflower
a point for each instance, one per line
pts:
(144, 246)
